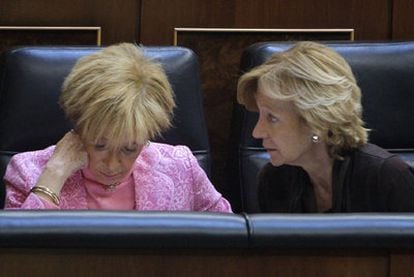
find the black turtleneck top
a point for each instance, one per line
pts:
(368, 179)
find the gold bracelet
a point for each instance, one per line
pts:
(48, 192)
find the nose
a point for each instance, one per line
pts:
(112, 161)
(259, 131)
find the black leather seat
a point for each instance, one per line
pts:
(121, 229)
(340, 231)
(204, 244)
(82, 230)
(384, 71)
(30, 82)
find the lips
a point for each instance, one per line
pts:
(269, 149)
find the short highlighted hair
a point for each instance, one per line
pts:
(119, 94)
(322, 87)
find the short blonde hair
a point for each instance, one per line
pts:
(118, 93)
(322, 87)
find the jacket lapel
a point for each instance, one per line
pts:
(154, 189)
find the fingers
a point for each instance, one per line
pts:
(70, 150)
(71, 137)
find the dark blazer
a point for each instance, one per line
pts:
(369, 179)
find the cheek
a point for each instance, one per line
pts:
(280, 136)
(289, 142)
(93, 164)
(94, 159)
(128, 162)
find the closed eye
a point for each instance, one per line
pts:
(100, 146)
(128, 150)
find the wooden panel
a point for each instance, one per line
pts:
(401, 264)
(12, 36)
(118, 18)
(319, 263)
(403, 20)
(170, 262)
(371, 19)
(122, 263)
(157, 25)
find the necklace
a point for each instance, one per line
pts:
(111, 187)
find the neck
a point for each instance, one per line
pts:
(318, 164)
(319, 168)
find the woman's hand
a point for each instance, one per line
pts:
(68, 157)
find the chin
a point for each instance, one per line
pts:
(276, 162)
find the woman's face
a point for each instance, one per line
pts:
(285, 135)
(111, 166)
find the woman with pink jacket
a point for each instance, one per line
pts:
(117, 100)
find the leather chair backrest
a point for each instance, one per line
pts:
(156, 231)
(30, 84)
(384, 72)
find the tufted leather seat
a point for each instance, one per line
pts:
(30, 82)
(383, 71)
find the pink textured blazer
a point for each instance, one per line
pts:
(166, 178)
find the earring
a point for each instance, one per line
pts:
(315, 138)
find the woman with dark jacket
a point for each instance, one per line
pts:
(309, 107)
